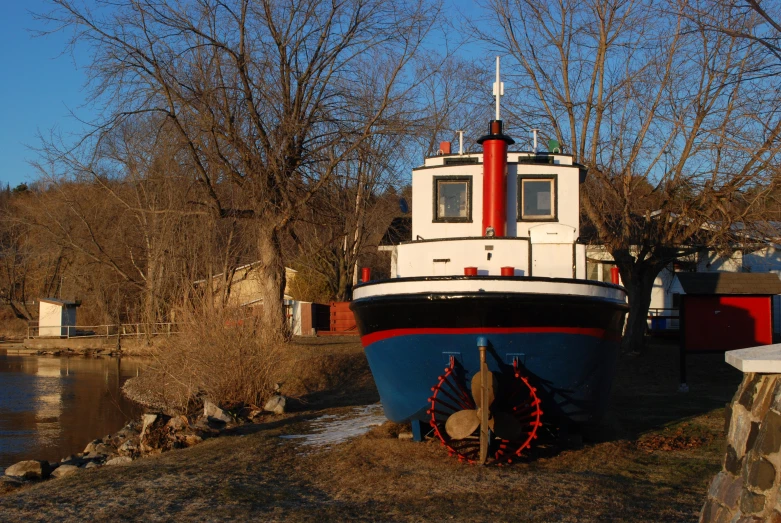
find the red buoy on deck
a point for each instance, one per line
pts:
(508, 271)
(366, 274)
(614, 275)
(495, 180)
(470, 271)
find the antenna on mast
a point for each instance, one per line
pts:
(534, 150)
(460, 142)
(498, 89)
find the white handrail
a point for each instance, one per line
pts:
(104, 331)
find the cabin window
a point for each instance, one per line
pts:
(537, 198)
(452, 199)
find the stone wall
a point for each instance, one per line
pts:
(130, 346)
(76, 344)
(747, 488)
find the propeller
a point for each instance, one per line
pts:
(464, 423)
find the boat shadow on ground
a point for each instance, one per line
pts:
(646, 394)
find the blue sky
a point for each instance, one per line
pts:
(39, 86)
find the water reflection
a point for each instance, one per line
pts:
(51, 407)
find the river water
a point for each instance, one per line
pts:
(51, 407)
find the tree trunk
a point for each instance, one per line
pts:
(343, 288)
(149, 314)
(272, 281)
(638, 279)
(345, 284)
(19, 313)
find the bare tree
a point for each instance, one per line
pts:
(347, 219)
(645, 99)
(755, 22)
(259, 92)
(29, 267)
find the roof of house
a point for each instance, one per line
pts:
(729, 283)
(242, 272)
(63, 303)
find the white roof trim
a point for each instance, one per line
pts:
(62, 303)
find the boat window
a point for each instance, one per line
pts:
(537, 199)
(452, 199)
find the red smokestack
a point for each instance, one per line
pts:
(495, 179)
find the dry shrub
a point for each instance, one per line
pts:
(218, 355)
(10, 325)
(318, 373)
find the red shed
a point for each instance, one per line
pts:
(723, 310)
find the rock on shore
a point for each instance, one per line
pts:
(276, 404)
(30, 469)
(152, 434)
(210, 410)
(64, 470)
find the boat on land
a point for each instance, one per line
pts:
(487, 329)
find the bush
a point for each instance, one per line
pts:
(218, 355)
(11, 326)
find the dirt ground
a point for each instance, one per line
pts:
(652, 461)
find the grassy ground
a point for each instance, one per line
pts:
(658, 452)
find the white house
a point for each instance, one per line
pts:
(665, 296)
(55, 317)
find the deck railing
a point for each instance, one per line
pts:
(136, 330)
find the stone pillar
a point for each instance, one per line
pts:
(747, 488)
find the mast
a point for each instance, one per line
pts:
(495, 170)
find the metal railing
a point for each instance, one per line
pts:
(136, 330)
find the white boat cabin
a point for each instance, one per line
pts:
(542, 219)
(495, 213)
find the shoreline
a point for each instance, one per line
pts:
(76, 354)
(65, 347)
(149, 434)
(52, 406)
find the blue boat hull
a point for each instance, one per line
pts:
(573, 373)
(566, 346)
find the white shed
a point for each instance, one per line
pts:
(56, 316)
